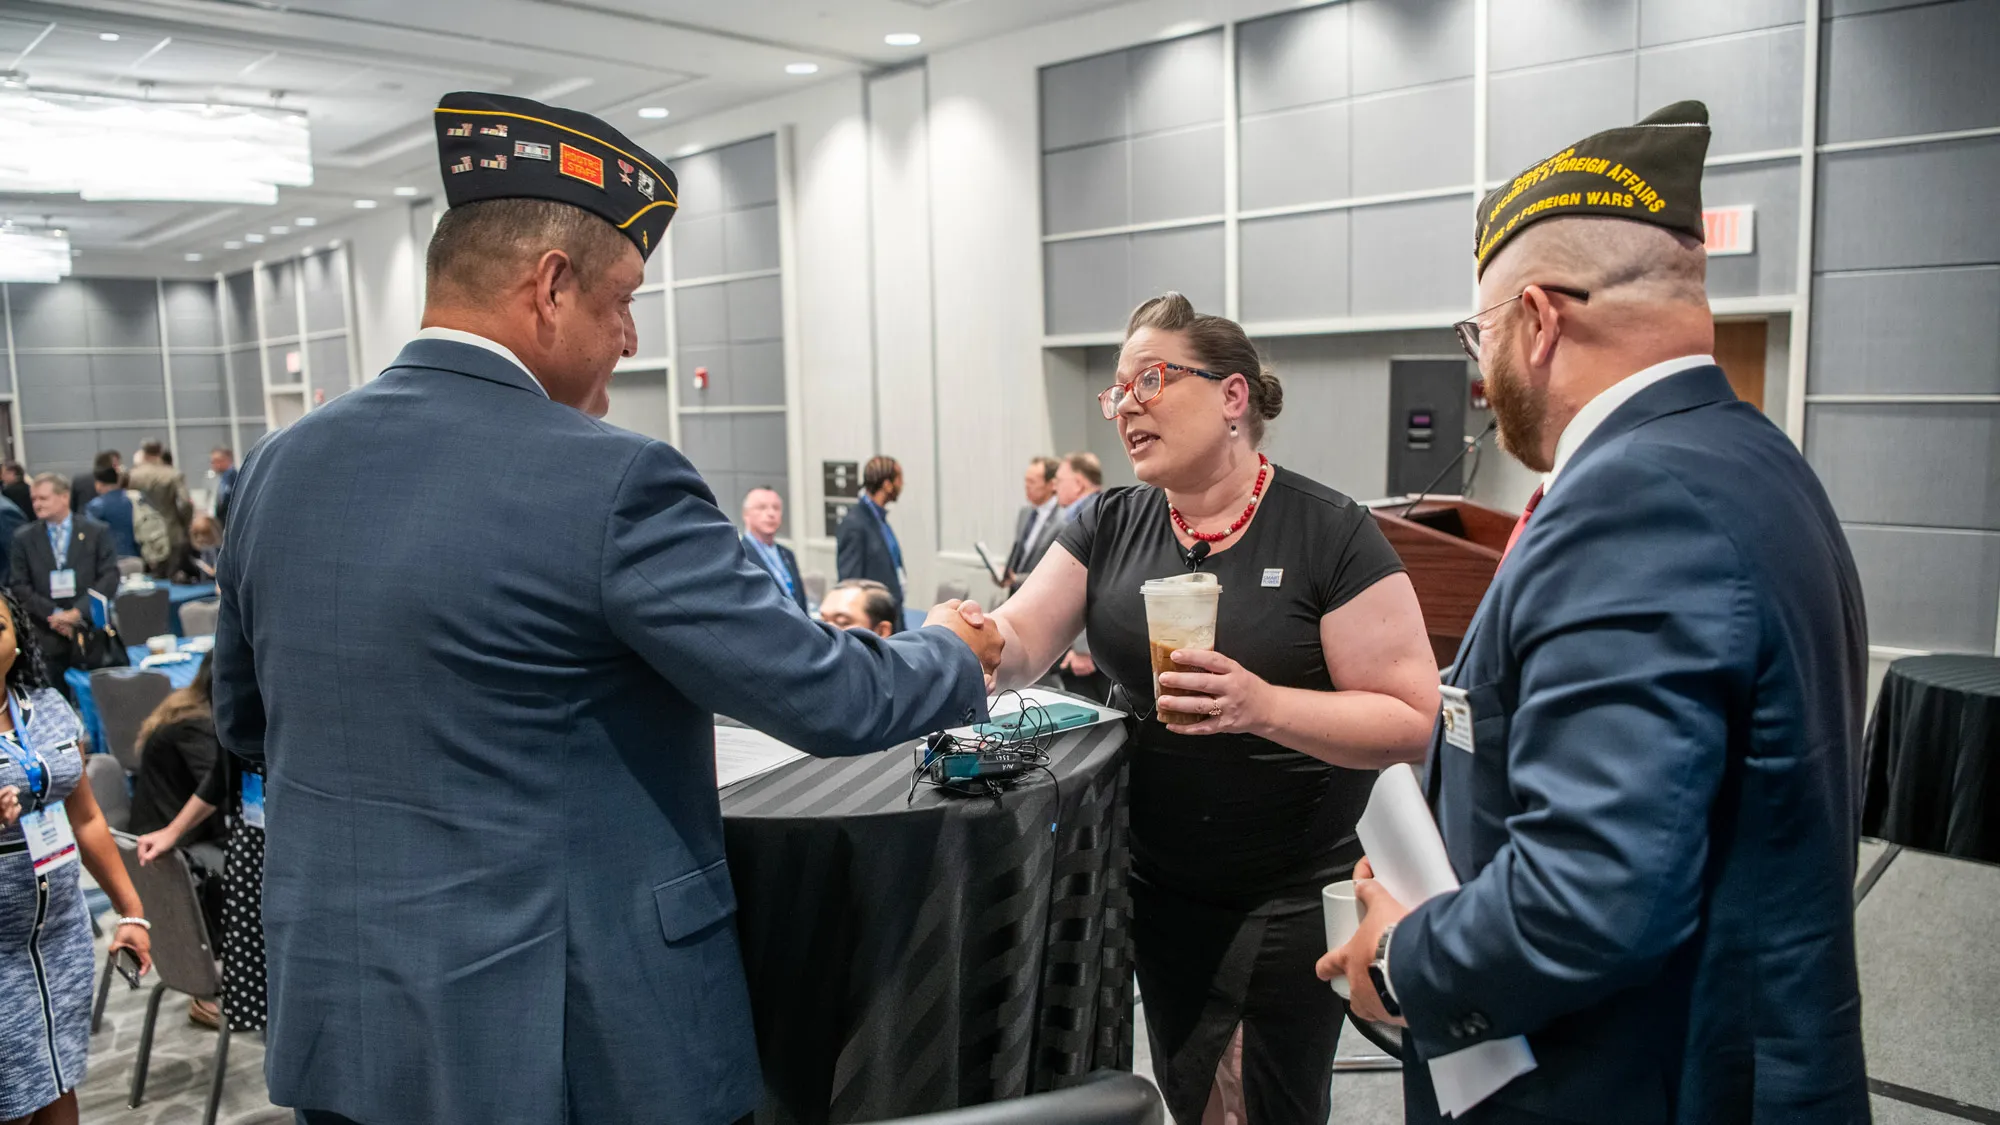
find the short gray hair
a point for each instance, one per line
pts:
(60, 481)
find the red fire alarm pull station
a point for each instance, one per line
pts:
(701, 378)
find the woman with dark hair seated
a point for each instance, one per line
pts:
(177, 752)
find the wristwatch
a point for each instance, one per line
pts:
(1378, 973)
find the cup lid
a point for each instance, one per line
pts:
(1196, 584)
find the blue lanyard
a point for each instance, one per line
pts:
(888, 533)
(773, 562)
(30, 762)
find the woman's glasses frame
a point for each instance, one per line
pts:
(1112, 399)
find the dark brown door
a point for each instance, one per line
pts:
(1739, 348)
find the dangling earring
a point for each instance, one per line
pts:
(1232, 429)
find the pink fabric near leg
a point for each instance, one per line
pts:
(1225, 1098)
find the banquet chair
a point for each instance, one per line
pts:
(198, 618)
(108, 785)
(129, 565)
(144, 613)
(123, 698)
(1108, 1097)
(182, 957)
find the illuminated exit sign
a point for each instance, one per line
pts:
(1731, 230)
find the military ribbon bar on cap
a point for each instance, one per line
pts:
(492, 146)
(1649, 173)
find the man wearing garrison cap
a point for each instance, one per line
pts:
(1645, 772)
(494, 883)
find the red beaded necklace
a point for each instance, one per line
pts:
(1250, 509)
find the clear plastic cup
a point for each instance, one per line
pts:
(1180, 614)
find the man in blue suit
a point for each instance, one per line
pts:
(763, 518)
(494, 884)
(1645, 772)
(865, 545)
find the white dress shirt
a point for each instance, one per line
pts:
(476, 340)
(1607, 403)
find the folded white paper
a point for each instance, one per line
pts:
(1408, 857)
(742, 753)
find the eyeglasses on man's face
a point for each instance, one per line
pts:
(1147, 385)
(1468, 329)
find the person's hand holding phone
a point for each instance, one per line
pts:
(137, 942)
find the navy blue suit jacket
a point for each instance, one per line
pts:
(862, 550)
(1657, 827)
(791, 563)
(477, 638)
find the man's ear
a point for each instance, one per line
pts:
(885, 628)
(1545, 326)
(555, 283)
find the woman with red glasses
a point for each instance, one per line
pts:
(1322, 675)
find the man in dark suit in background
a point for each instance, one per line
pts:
(494, 881)
(866, 545)
(1645, 773)
(83, 489)
(763, 516)
(14, 486)
(222, 464)
(56, 562)
(12, 517)
(1036, 527)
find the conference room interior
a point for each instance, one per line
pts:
(915, 228)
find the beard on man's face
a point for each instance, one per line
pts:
(1519, 407)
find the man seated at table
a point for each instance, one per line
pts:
(860, 603)
(57, 561)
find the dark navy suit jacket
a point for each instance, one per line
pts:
(862, 550)
(791, 564)
(477, 638)
(1656, 828)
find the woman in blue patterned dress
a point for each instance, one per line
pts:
(45, 945)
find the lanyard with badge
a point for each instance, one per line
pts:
(62, 580)
(51, 843)
(253, 799)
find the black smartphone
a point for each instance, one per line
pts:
(127, 964)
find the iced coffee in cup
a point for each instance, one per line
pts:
(1180, 614)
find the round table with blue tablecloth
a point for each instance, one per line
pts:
(180, 594)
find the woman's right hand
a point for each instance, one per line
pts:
(10, 806)
(154, 843)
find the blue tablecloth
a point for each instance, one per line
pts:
(180, 594)
(180, 674)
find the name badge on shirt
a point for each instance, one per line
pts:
(253, 800)
(51, 844)
(1457, 717)
(62, 583)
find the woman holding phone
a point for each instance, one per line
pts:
(1244, 804)
(48, 820)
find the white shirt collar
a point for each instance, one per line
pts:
(459, 335)
(1607, 403)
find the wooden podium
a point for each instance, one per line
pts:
(1452, 547)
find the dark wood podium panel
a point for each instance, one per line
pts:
(1451, 547)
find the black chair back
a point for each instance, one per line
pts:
(182, 957)
(107, 784)
(143, 614)
(124, 697)
(1109, 1097)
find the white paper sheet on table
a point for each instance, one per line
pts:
(1408, 857)
(1006, 704)
(742, 753)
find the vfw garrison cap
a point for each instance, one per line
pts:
(1649, 173)
(496, 147)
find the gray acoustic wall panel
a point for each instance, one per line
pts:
(751, 238)
(1176, 83)
(239, 311)
(1907, 332)
(757, 374)
(1910, 464)
(1871, 61)
(1412, 140)
(1411, 257)
(700, 177)
(127, 388)
(121, 313)
(281, 302)
(193, 320)
(1927, 588)
(49, 316)
(1399, 43)
(1087, 188)
(760, 443)
(698, 249)
(749, 172)
(701, 315)
(198, 386)
(1295, 267)
(1293, 59)
(330, 370)
(1177, 175)
(1773, 189)
(706, 440)
(1084, 284)
(1296, 156)
(1914, 205)
(252, 429)
(1750, 83)
(55, 388)
(285, 362)
(326, 304)
(1536, 32)
(649, 321)
(59, 451)
(1672, 21)
(1532, 114)
(241, 365)
(195, 441)
(1188, 260)
(1084, 101)
(756, 309)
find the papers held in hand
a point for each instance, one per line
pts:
(1409, 860)
(985, 556)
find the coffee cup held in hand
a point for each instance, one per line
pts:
(1180, 615)
(1343, 913)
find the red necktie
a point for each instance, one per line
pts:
(1521, 524)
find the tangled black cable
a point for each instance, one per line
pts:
(1034, 735)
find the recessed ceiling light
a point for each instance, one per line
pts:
(253, 239)
(305, 251)
(192, 257)
(653, 112)
(687, 150)
(802, 68)
(108, 36)
(902, 39)
(57, 232)
(364, 205)
(406, 191)
(305, 221)
(232, 244)
(281, 229)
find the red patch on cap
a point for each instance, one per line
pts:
(581, 165)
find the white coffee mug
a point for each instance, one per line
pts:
(1343, 917)
(164, 643)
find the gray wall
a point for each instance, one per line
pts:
(728, 317)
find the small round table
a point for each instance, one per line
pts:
(1933, 769)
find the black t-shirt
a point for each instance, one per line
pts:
(1235, 820)
(175, 761)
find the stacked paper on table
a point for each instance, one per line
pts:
(742, 753)
(1408, 857)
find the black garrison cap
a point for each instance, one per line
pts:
(1649, 173)
(496, 147)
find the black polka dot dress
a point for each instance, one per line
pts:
(242, 915)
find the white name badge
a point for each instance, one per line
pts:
(253, 800)
(51, 844)
(62, 583)
(1457, 717)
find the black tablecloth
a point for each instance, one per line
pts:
(950, 951)
(1934, 756)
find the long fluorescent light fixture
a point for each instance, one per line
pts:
(29, 256)
(121, 149)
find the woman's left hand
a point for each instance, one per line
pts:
(137, 939)
(1229, 694)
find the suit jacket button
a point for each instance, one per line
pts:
(1456, 1030)
(1476, 1023)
